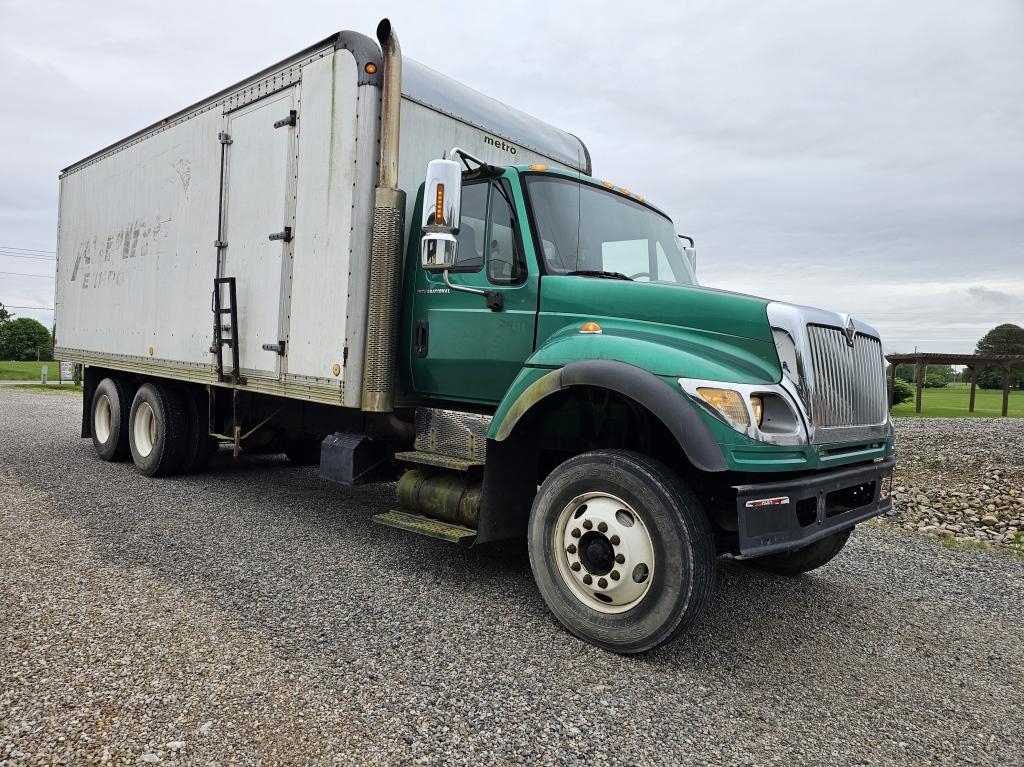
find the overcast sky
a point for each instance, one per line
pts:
(862, 156)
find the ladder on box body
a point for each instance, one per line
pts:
(220, 340)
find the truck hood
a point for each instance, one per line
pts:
(671, 330)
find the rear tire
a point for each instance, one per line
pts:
(199, 445)
(621, 550)
(802, 560)
(109, 414)
(157, 429)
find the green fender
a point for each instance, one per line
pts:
(669, 405)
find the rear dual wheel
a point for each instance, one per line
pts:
(158, 429)
(162, 426)
(109, 414)
(621, 550)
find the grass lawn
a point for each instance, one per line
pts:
(952, 401)
(27, 371)
(65, 388)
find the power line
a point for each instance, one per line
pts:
(22, 255)
(26, 274)
(19, 306)
(25, 250)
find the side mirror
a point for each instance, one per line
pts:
(438, 250)
(442, 197)
(690, 251)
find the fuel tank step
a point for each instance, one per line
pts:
(439, 461)
(432, 528)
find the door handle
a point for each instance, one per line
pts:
(421, 338)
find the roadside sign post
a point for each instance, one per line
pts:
(44, 373)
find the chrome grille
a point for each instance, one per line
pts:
(849, 382)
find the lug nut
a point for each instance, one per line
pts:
(615, 575)
(620, 558)
(588, 524)
(587, 579)
(615, 540)
(603, 527)
(572, 548)
(602, 583)
(575, 566)
(576, 532)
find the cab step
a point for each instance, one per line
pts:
(454, 463)
(432, 528)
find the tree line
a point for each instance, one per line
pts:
(23, 338)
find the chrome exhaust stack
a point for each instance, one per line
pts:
(386, 249)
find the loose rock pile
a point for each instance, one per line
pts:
(960, 479)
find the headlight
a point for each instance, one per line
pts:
(765, 412)
(729, 403)
(757, 404)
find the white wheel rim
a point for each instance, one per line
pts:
(144, 430)
(604, 551)
(103, 419)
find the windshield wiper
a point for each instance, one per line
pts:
(598, 273)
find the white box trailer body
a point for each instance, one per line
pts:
(146, 224)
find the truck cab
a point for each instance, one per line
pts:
(566, 313)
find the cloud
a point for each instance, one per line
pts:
(997, 297)
(861, 156)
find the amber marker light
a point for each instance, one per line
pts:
(439, 210)
(371, 68)
(607, 184)
(538, 167)
(590, 328)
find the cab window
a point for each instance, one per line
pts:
(505, 262)
(472, 229)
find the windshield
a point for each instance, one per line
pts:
(587, 230)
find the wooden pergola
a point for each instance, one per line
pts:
(973, 362)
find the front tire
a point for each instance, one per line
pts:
(621, 550)
(802, 560)
(109, 411)
(157, 429)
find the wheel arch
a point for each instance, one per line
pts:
(644, 388)
(514, 452)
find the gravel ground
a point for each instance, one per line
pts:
(962, 480)
(255, 615)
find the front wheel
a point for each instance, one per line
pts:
(804, 559)
(621, 550)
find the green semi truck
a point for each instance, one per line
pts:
(355, 261)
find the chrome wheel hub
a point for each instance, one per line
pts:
(604, 551)
(102, 419)
(144, 430)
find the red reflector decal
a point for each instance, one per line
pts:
(778, 501)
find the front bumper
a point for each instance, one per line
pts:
(782, 516)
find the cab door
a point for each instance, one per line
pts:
(461, 349)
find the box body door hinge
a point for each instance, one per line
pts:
(225, 138)
(285, 235)
(289, 120)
